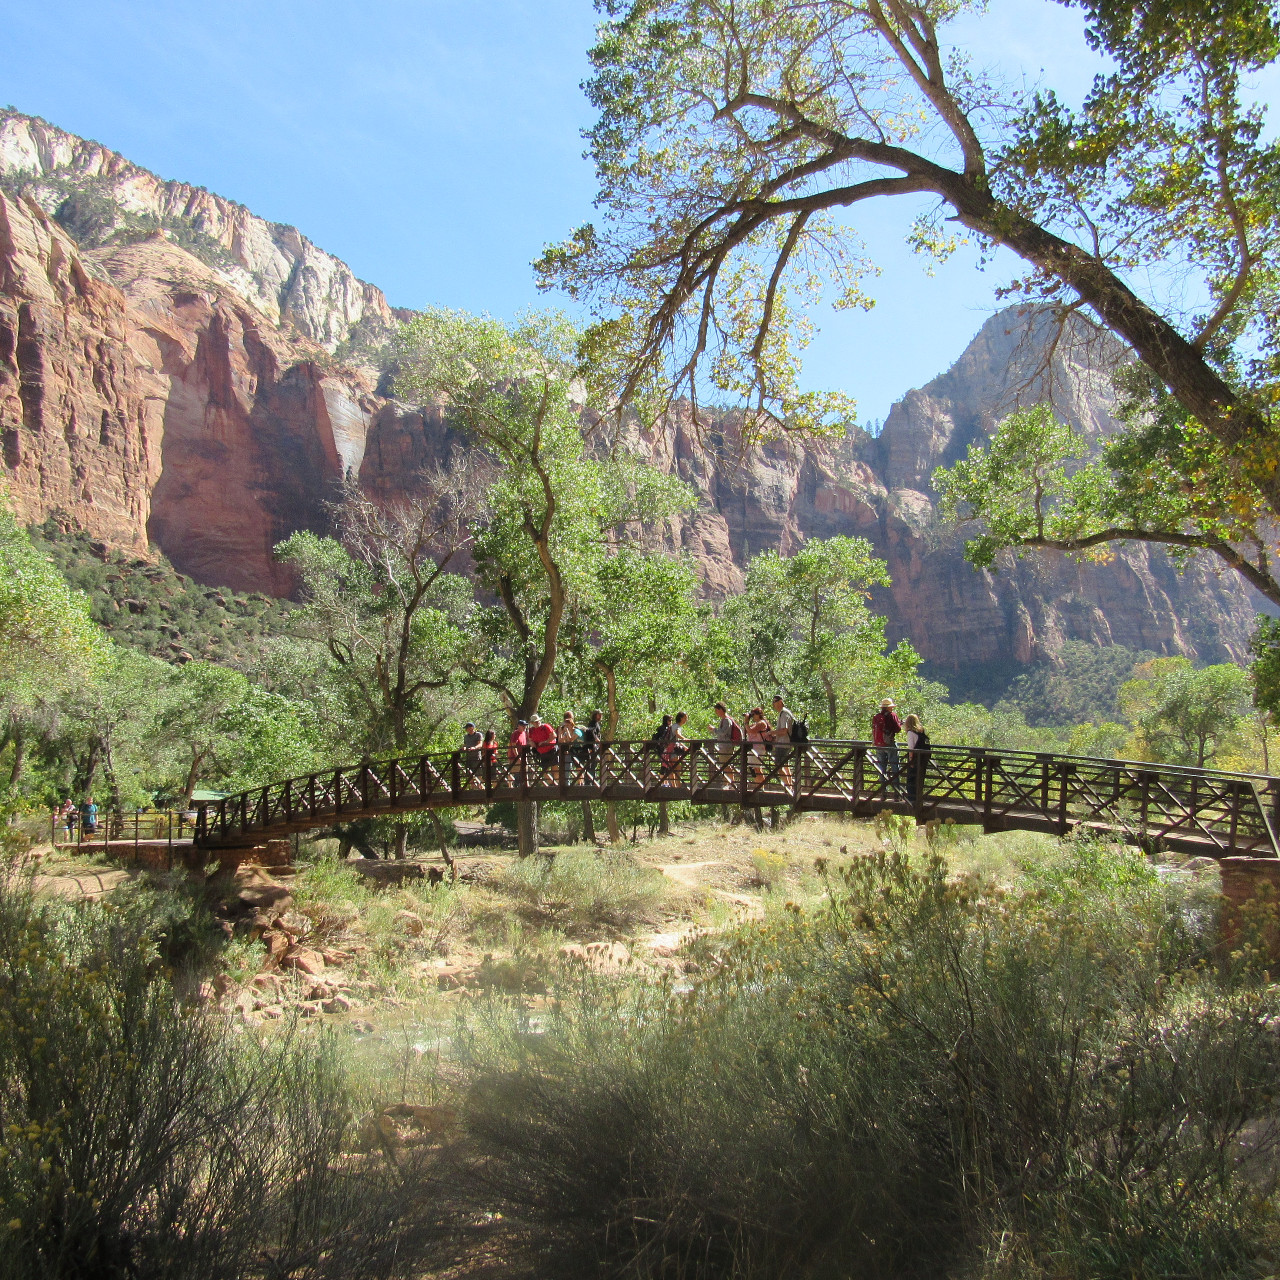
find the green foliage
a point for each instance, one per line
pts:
(141, 1137)
(146, 605)
(216, 727)
(385, 624)
(553, 507)
(47, 639)
(584, 894)
(1265, 646)
(802, 624)
(922, 1077)
(1080, 684)
(1185, 714)
(731, 141)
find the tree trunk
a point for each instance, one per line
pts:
(611, 821)
(831, 703)
(19, 754)
(664, 823)
(402, 840)
(527, 827)
(588, 823)
(444, 847)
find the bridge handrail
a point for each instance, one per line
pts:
(238, 801)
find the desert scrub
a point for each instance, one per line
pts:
(142, 1137)
(921, 1076)
(584, 894)
(382, 929)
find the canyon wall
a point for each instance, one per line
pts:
(151, 395)
(102, 197)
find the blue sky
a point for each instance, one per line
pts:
(434, 145)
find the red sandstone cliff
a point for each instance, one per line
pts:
(147, 398)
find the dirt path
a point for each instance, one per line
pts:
(76, 885)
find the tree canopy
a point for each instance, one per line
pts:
(733, 139)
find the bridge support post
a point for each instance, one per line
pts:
(1251, 905)
(1064, 795)
(988, 768)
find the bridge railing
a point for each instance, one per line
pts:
(1200, 810)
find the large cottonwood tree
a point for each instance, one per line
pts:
(734, 137)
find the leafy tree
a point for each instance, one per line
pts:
(47, 640)
(1265, 645)
(1185, 714)
(553, 508)
(731, 139)
(1080, 683)
(217, 727)
(806, 627)
(1040, 484)
(382, 606)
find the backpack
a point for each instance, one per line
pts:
(800, 731)
(735, 734)
(922, 740)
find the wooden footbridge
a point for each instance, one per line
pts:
(1197, 811)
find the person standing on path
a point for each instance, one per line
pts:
(542, 738)
(471, 740)
(885, 727)
(726, 732)
(783, 722)
(917, 753)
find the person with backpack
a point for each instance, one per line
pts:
(727, 733)
(885, 727)
(784, 733)
(917, 753)
(592, 741)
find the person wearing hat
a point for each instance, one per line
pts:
(542, 738)
(885, 727)
(471, 740)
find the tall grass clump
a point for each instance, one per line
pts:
(140, 1137)
(584, 893)
(923, 1076)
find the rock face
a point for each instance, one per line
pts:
(155, 394)
(100, 195)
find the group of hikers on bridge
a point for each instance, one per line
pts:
(575, 747)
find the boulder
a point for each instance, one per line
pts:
(304, 960)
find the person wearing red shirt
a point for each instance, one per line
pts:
(519, 740)
(542, 738)
(885, 727)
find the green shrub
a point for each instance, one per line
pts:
(924, 1077)
(583, 893)
(142, 1138)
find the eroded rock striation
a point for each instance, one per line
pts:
(102, 197)
(152, 393)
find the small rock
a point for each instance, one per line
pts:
(273, 1011)
(304, 959)
(362, 1027)
(309, 1009)
(410, 922)
(278, 945)
(338, 1004)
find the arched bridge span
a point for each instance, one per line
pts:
(1197, 811)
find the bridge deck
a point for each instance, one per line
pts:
(1198, 811)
